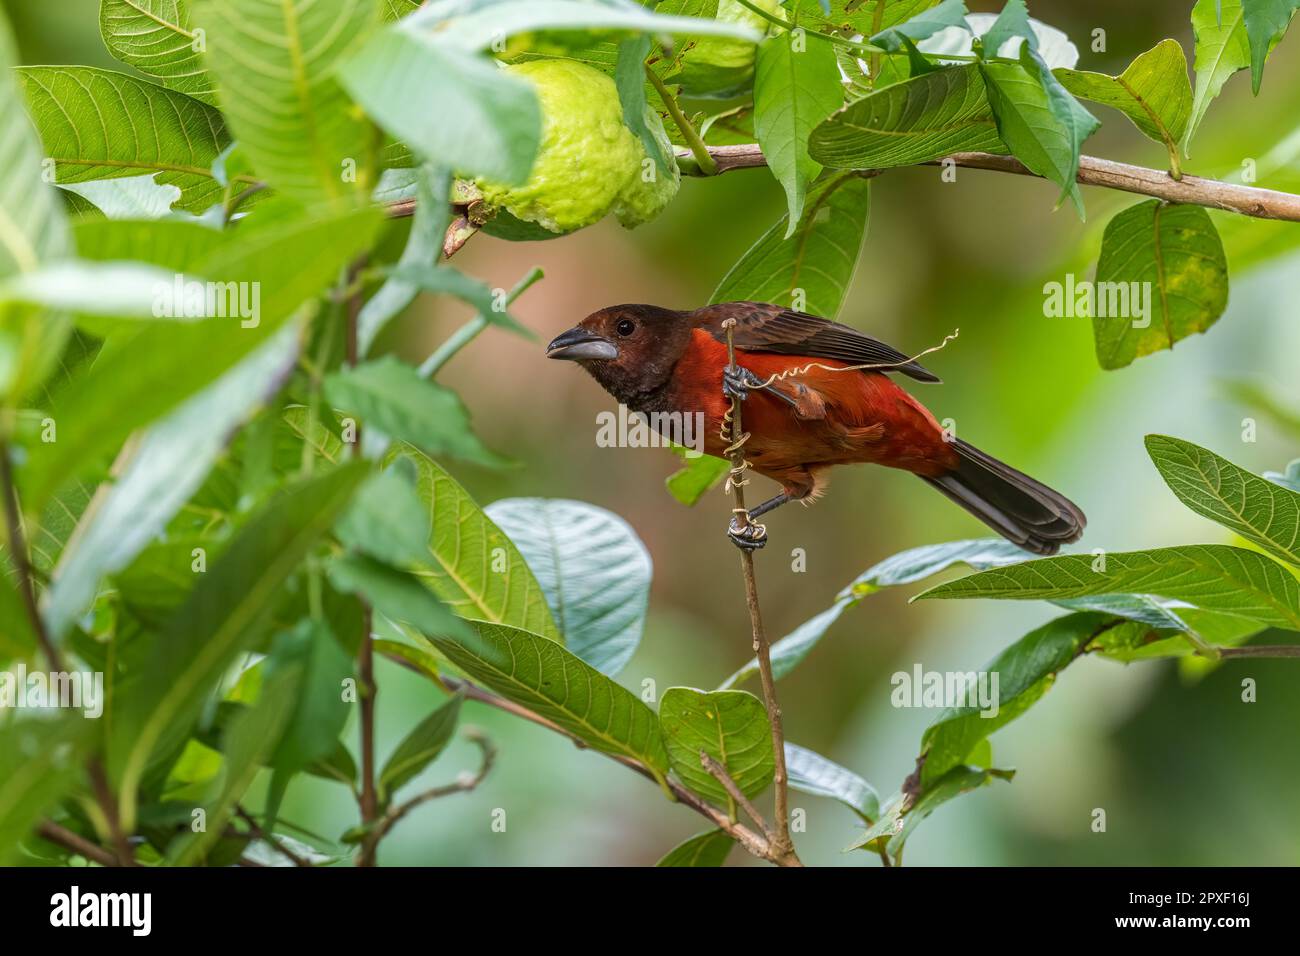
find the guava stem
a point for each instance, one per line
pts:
(693, 140)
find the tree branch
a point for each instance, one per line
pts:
(782, 848)
(720, 774)
(255, 828)
(1249, 201)
(1259, 651)
(49, 830)
(754, 843)
(369, 802)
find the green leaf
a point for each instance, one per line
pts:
(97, 124)
(1169, 256)
(39, 763)
(135, 381)
(949, 13)
(818, 259)
(319, 714)
(594, 571)
(391, 396)
(812, 773)
(1012, 22)
(1041, 123)
(689, 483)
(166, 466)
(397, 594)
(453, 108)
(629, 77)
(158, 38)
(1258, 510)
(921, 119)
(1211, 576)
(471, 291)
(221, 616)
(17, 639)
(796, 86)
(1024, 672)
(276, 66)
(540, 674)
(710, 848)
(33, 231)
(1222, 48)
(423, 248)
(1154, 92)
(475, 569)
(889, 834)
(1266, 24)
(904, 568)
(131, 197)
(247, 745)
(419, 748)
(479, 27)
(731, 726)
(396, 9)
(387, 520)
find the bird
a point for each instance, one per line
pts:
(806, 408)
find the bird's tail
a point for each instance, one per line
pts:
(1014, 505)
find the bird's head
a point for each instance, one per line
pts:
(629, 349)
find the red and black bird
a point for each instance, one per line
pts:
(809, 418)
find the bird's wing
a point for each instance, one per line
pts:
(769, 328)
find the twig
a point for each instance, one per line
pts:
(1249, 201)
(369, 802)
(104, 797)
(781, 846)
(734, 791)
(49, 830)
(698, 150)
(396, 814)
(1260, 651)
(22, 562)
(256, 829)
(753, 843)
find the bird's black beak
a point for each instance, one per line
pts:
(579, 343)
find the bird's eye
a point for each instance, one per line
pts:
(625, 327)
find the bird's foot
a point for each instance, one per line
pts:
(737, 381)
(749, 536)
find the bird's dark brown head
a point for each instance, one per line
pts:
(629, 349)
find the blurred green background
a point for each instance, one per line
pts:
(1186, 772)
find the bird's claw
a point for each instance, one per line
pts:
(749, 536)
(737, 381)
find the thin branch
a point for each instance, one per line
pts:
(782, 847)
(698, 150)
(1260, 651)
(1249, 201)
(49, 830)
(369, 802)
(488, 756)
(104, 797)
(720, 774)
(22, 562)
(753, 843)
(256, 829)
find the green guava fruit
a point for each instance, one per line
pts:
(721, 66)
(589, 163)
